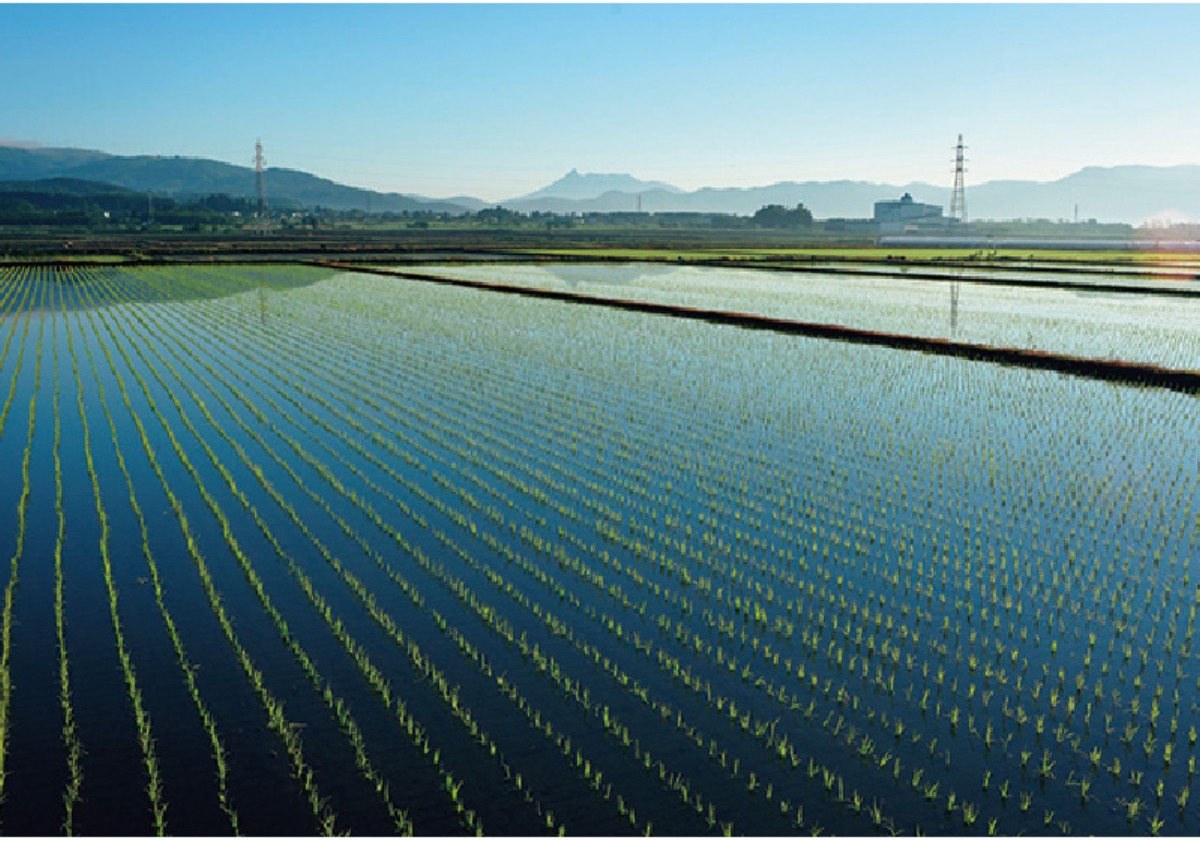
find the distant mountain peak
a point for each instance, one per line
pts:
(590, 185)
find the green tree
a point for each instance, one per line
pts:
(778, 216)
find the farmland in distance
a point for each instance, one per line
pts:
(296, 551)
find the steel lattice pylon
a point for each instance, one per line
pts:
(958, 199)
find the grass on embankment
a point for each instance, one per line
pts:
(1104, 256)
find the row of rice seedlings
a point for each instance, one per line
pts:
(339, 709)
(557, 627)
(647, 643)
(286, 730)
(665, 661)
(70, 738)
(10, 590)
(563, 511)
(552, 624)
(187, 668)
(375, 608)
(366, 597)
(158, 806)
(541, 497)
(337, 705)
(449, 694)
(1037, 684)
(746, 674)
(14, 284)
(175, 284)
(15, 301)
(10, 284)
(25, 307)
(369, 598)
(552, 620)
(549, 733)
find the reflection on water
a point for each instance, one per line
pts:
(152, 284)
(577, 276)
(1083, 320)
(954, 291)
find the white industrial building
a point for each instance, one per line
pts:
(898, 216)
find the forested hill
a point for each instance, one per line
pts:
(62, 201)
(180, 177)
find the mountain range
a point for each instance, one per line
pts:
(179, 177)
(1129, 194)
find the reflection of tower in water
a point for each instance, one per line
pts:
(958, 213)
(260, 186)
(954, 289)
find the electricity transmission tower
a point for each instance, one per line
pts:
(958, 199)
(260, 185)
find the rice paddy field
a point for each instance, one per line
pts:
(293, 551)
(1074, 320)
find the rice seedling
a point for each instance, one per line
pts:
(186, 668)
(684, 788)
(70, 736)
(14, 562)
(150, 761)
(607, 537)
(276, 719)
(389, 624)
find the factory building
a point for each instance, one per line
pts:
(903, 215)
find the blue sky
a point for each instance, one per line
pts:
(498, 100)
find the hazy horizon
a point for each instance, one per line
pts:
(496, 101)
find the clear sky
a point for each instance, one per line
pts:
(496, 100)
